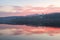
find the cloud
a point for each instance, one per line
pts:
(37, 9)
(27, 10)
(6, 9)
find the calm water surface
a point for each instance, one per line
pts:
(23, 32)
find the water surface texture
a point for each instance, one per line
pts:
(23, 32)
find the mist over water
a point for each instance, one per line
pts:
(24, 32)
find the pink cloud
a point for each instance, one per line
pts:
(39, 10)
(23, 11)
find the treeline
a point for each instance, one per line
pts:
(50, 19)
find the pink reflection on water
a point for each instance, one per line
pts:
(28, 30)
(37, 30)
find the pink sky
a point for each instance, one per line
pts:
(27, 10)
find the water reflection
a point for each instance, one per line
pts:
(27, 30)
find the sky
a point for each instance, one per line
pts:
(28, 7)
(30, 2)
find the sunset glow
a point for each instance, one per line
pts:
(28, 7)
(23, 11)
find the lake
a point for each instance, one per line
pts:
(24, 32)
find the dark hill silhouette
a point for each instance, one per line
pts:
(50, 19)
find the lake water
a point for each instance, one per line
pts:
(24, 32)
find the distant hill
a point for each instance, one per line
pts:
(51, 19)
